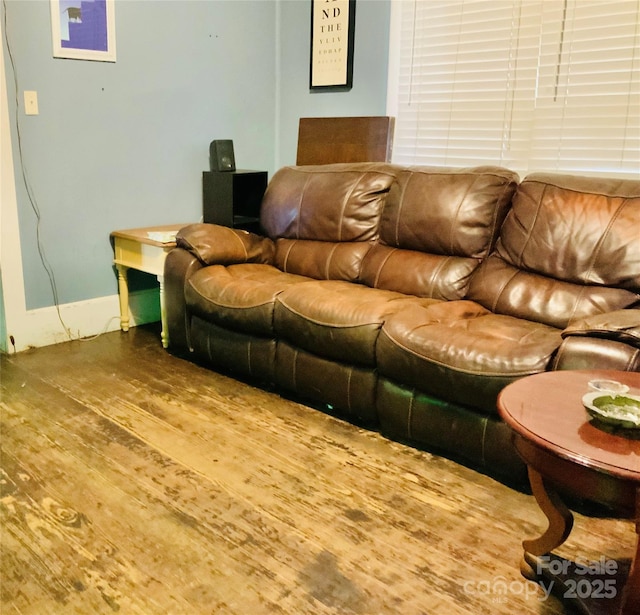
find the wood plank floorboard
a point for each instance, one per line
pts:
(134, 481)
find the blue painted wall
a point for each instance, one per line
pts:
(120, 145)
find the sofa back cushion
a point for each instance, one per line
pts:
(333, 202)
(436, 226)
(569, 248)
(322, 260)
(323, 217)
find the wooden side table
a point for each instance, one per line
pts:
(564, 448)
(144, 249)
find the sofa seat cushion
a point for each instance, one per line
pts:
(239, 297)
(335, 319)
(461, 352)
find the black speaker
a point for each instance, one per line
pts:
(221, 155)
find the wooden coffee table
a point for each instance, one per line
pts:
(565, 449)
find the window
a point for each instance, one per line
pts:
(533, 85)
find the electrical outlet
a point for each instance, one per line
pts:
(30, 102)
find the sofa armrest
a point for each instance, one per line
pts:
(212, 244)
(620, 326)
(603, 341)
(179, 266)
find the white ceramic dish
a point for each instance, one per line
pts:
(608, 386)
(620, 410)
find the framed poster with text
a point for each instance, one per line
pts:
(332, 40)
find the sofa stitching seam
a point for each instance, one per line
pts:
(327, 268)
(344, 205)
(525, 243)
(494, 305)
(400, 208)
(436, 272)
(242, 245)
(299, 216)
(455, 223)
(285, 262)
(495, 231)
(332, 325)
(382, 265)
(598, 248)
(485, 423)
(410, 414)
(457, 369)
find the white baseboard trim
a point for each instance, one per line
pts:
(82, 319)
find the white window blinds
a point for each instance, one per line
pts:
(549, 85)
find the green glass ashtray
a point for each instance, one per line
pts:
(619, 410)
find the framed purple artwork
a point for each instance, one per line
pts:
(83, 29)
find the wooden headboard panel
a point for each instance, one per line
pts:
(323, 140)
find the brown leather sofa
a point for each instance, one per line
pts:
(406, 298)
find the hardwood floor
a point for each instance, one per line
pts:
(136, 482)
